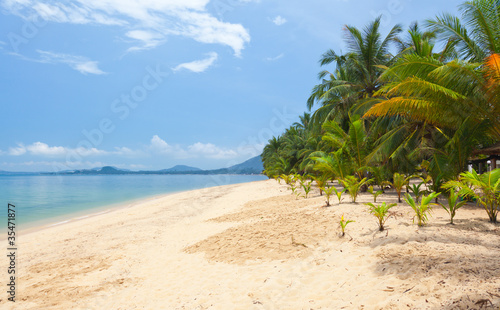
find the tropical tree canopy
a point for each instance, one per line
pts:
(409, 102)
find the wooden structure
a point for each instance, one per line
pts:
(493, 153)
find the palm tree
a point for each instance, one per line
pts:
(476, 35)
(305, 122)
(438, 101)
(422, 43)
(272, 147)
(354, 144)
(444, 95)
(333, 165)
(356, 74)
(448, 98)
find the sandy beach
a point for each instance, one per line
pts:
(255, 246)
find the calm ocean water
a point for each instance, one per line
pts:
(45, 199)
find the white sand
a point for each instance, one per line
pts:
(231, 247)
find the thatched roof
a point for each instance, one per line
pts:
(492, 150)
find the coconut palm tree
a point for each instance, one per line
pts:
(354, 144)
(449, 98)
(446, 98)
(475, 36)
(356, 74)
(305, 121)
(334, 165)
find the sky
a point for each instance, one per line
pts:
(149, 84)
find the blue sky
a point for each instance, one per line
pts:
(154, 83)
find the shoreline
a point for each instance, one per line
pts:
(36, 226)
(47, 223)
(255, 246)
(102, 208)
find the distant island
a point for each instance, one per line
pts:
(252, 166)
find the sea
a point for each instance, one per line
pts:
(52, 199)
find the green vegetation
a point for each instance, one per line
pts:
(419, 102)
(453, 204)
(417, 191)
(306, 184)
(484, 188)
(343, 224)
(375, 193)
(399, 181)
(421, 210)
(321, 181)
(353, 185)
(380, 212)
(329, 192)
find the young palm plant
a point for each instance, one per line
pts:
(321, 181)
(485, 188)
(380, 212)
(338, 193)
(343, 224)
(375, 193)
(417, 191)
(399, 182)
(329, 192)
(423, 209)
(352, 184)
(306, 185)
(453, 204)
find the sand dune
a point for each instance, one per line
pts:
(255, 246)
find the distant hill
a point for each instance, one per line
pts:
(93, 171)
(252, 166)
(254, 163)
(181, 168)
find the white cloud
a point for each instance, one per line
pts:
(278, 20)
(85, 151)
(16, 151)
(198, 65)
(43, 149)
(160, 145)
(79, 63)
(149, 39)
(251, 149)
(209, 150)
(53, 166)
(125, 151)
(162, 18)
(58, 165)
(196, 150)
(275, 58)
(39, 148)
(208, 29)
(157, 147)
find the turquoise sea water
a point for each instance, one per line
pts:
(45, 199)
